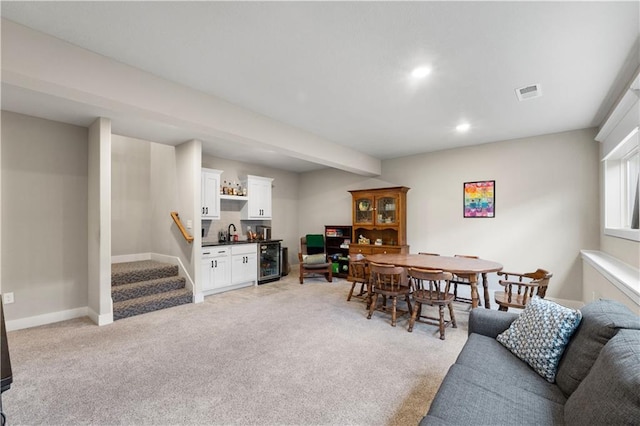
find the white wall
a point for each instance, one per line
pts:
(44, 215)
(546, 203)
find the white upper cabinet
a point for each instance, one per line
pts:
(258, 205)
(211, 194)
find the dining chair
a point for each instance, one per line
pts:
(517, 294)
(358, 274)
(463, 279)
(313, 257)
(431, 287)
(388, 281)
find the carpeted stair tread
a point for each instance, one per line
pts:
(154, 302)
(123, 292)
(143, 270)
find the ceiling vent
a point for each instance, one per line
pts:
(529, 92)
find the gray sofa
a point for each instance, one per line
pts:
(597, 382)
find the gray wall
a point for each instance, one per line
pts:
(143, 193)
(546, 203)
(44, 215)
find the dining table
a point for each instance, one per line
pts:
(454, 264)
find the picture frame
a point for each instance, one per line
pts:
(479, 199)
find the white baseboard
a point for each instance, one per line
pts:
(130, 257)
(49, 318)
(103, 319)
(174, 260)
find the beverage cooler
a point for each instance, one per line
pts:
(269, 265)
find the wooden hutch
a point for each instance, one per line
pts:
(380, 216)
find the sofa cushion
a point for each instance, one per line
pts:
(610, 393)
(540, 334)
(468, 397)
(485, 355)
(601, 320)
(314, 259)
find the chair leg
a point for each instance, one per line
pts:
(393, 311)
(408, 299)
(351, 292)
(374, 300)
(361, 289)
(414, 314)
(441, 310)
(452, 315)
(301, 275)
(503, 308)
(329, 276)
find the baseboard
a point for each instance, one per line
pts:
(182, 271)
(103, 319)
(49, 318)
(130, 257)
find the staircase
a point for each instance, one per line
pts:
(146, 286)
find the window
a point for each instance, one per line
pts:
(622, 171)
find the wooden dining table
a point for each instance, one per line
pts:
(455, 265)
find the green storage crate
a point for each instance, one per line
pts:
(335, 267)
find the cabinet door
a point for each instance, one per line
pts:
(386, 210)
(210, 195)
(207, 283)
(363, 210)
(258, 198)
(221, 275)
(244, 268)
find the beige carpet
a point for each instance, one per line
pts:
(280, 353)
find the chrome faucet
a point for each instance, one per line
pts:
(229, 235)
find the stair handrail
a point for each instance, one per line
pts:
(183, 231)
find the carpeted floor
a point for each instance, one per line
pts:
(280, 353)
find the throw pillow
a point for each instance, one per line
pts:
(312, 259)
(540, 334)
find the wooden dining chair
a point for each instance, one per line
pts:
(463, 279)
(521, 288)
(358, 274)
(431, 287)
(388, 281)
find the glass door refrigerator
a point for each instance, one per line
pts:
(269, 265)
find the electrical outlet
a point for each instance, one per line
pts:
(7, 298)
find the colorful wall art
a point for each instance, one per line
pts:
(479, 198)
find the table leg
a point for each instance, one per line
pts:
(485, 284)
(473, 280)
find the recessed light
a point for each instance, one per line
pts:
(463, 127)
(421, 72)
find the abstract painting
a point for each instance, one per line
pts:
(479, 198)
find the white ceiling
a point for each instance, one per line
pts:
(340, 70)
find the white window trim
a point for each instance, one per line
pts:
(619, 125)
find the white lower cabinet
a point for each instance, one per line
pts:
(244, 263)
(229, 267)
(216, 268)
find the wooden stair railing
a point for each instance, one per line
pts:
(183, 231)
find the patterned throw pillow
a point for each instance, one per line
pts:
(540, 334)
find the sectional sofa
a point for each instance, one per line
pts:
(597, 380)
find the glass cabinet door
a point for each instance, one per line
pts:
(386, 210)
(363, 210)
